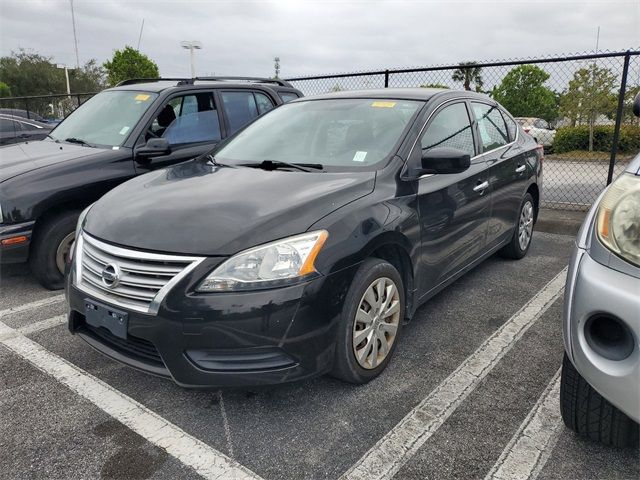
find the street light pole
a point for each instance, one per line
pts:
(66, 75)
(191, 46)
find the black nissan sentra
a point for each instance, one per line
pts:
(302, 244)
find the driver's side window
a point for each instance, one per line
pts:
(450, 127)
(187, 119)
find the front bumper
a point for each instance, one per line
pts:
(595, 289)
(227, 340)
(15, 252)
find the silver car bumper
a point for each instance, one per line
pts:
(595, 289)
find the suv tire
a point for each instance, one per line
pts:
(590, 415)
(371, 273)
(50, 240)
(527, 213)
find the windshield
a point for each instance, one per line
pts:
(105, 119)
(333, 133)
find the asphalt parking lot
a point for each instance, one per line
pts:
(471, 393)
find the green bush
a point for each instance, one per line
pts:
(568, 139)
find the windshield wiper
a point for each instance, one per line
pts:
(53, 138)
(275, 164)
(79, 141)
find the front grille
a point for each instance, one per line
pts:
(143, 278)
(134, 347)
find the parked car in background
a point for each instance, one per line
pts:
(301, 245)
(137, 127)
(539, 129)
(27, 115)
(18, 129)
(600, 385)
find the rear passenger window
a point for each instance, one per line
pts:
(493, 131)
(512, 127)
(451, 127)
(264, 103)
(287, 97)
(240, 107)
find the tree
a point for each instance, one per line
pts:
(29, 73)
(129, 63)
(336, 88)
(523, 93)
(5, 91)
(590, 95)
(468, 73)
(433, 85)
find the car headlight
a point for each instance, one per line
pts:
(79, 225)
(271, 265)
(618, 225)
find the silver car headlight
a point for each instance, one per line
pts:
(618, 224)
(79, 225)
(274, 264)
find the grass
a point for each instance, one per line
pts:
(586, 156)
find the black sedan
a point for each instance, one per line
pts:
(302, 244)
(17, 129)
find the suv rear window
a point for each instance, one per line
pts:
(287, 96)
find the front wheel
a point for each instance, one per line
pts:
(370, 323)
(521, 239)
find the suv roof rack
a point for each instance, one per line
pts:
(133, 81)
(277, 81)
(191, 81)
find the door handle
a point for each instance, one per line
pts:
(481, 187)
(521, 169)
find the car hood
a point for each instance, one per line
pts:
(199, 208)
(24, 157)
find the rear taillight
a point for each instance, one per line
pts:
(540, 153)
(526, 129)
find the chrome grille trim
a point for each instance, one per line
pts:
(146, 277)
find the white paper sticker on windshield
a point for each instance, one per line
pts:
(124, 130)
(359, 156)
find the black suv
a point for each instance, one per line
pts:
(138, 126)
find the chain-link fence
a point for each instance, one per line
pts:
(43, 107)
(578, 107)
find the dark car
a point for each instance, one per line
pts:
(27, 115)
(18, 129)
(302, 244)
(137, 127)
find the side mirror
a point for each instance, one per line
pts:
(636, 106)
(153, 148)
(445, 160)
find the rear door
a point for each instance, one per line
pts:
(242, 106)
(190, 122)
(454, 208)
(508, 170)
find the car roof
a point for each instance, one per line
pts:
(161, 84)
(422, 94)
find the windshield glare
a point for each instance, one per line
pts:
(105, 119)
(335, 133)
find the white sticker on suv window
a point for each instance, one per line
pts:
(124, 130)
(359, 156)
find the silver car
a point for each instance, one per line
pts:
(600, 386)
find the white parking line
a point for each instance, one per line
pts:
(205, 460)
(393, 450)
(35, 327)
(529, 449)
(32, 305)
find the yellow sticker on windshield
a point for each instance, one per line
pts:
(383, 104)
(142, 97)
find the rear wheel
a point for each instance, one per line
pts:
(371, 322)
(521, 240)
(589, 414)
(50, 249)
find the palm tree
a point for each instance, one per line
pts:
(471, 74)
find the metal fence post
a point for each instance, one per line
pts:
(386, 79)
(616, 130)
(26, 107)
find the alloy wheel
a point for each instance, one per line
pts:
(62, 252)
(525, 225)
(376, 323)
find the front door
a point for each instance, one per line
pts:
(454, 208)
(191, 125)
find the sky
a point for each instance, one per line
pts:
(317, 37)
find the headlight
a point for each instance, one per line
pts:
(618, 224)
(79, 225)
(271, 265)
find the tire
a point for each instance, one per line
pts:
(49, 237)
(590, 415)
(515, 249)
(372, 273)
